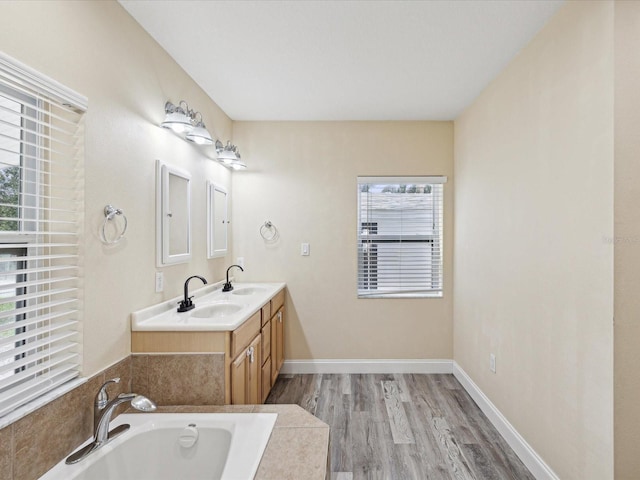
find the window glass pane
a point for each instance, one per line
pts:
(399, 239)
(10, 123)
(9, 281)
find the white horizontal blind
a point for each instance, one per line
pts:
(400, 236)
(41, 205)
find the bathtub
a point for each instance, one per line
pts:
(184, 446)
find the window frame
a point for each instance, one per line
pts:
(47, 237)
(367, 271)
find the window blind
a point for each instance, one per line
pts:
(400, 236)
(41, 206)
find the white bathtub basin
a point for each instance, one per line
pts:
(229, 446)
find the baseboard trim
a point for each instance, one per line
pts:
(536, 465)
(367, 366)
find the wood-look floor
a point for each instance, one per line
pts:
(397, 427)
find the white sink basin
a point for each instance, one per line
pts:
(248, 290)
(216, 310)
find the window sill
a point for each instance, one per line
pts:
(401, 295)
(32, 406)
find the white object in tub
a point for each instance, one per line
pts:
(227, 446)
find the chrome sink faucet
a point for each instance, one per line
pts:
(227, 286)
(103, 411)
(187, 304)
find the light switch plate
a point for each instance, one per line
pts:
(304, 249)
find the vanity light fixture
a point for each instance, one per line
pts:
(200, 134)
(229, 155)
(182, 120)
(177, 118)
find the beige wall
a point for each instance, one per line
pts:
(627, 239)
(97, 49)
(302, 177)
(533, 250)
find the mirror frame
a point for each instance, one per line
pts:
(212, 222)
(163, 215)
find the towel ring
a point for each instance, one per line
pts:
(110, 212)
(269, 232)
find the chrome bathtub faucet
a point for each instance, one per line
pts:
(103, 411)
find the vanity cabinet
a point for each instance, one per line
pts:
(253, 353)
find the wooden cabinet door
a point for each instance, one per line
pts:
(277, 344)
(239, 379)
(266, 343)
(254, 372)
(280, 339)
(266, 379)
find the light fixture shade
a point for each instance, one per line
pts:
(200, 135)
(177, 121)
(227, 156)
(238, 165)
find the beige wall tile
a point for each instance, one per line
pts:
(51, 433)
(186, 379)
(6, 453)
(140, 374)
(122, 370)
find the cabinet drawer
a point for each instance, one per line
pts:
(242, 335)
(277, 302)
(266, 341)
(266, 313)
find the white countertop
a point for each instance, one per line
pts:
(214, 310)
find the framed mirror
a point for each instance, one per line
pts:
(217, 220)
(173, 215)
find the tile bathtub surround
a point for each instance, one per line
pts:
(6, 453)
(38, 441)
(298, 446)
(180, 379)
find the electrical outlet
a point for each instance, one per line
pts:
(159, 282)
(240, 261)
(492, 362)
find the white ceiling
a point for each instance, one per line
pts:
(342, 60)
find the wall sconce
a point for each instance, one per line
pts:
(182, 120)
(229, 156)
